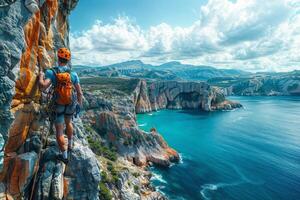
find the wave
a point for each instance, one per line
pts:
(238, 119)
(180, 158)
(150, 114)
(158, 177)
(141, 125)
(213, 187)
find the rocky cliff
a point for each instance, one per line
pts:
(112, 114)
(180, 95)
(266, 87)
(261, 84)
(31, 32)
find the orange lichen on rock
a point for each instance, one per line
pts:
(19, 129)
(28, 71)
(39, 51)
(52, 6)
(23, 168)
(61, 25)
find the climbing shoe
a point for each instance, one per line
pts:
(60, 157)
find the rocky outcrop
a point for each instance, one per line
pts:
(31, 32)
(261, 84)
(180, 95)
(112, 114)
(77, 180)
(267, 87)
(141, 97)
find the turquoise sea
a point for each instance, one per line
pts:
(246, 154)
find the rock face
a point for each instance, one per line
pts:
(261, 84)
(31, 32)
(78, 180)
(180, 95)
(112, 114)
(267, 87)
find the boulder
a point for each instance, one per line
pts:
(82, 174)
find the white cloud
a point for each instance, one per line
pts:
(245, 34)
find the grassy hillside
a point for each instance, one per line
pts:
(101, 83)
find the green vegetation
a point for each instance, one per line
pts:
(104, 177)
(101, 150)
(136, 174)
(88, 128)
(226, 81)
(136, 188)
(108, 180)
(104, 192)
(113, 172)
(100, 83)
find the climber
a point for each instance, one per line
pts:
(66, 102)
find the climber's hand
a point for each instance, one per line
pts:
(41, 75)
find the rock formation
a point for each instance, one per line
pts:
(180, 95)
(283, 86)
(261, 84)
(112, 114)
(31, 32)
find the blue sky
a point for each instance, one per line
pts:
(252, 35)
(145, 12)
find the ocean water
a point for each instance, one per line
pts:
(246, 154)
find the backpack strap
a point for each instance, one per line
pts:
(54, 70)
(57, 71)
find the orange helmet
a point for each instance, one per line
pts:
(64, 53)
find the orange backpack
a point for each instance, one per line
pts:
(63, 87)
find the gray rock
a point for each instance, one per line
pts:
(79, 179)
(83, 174)
(32, 6)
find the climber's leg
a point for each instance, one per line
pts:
(69, 131)
(60, 136)
(59, 126)
(61, 143)
(70, 110)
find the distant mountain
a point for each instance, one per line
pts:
(233, 82)
(168, 71)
